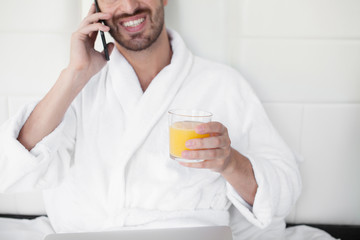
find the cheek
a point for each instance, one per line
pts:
(108, 10)
(108, 6)
(153, 4)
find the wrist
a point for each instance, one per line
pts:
(240, 175)
(74, 79)
(232, 164)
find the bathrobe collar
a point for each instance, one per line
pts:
(143, 110)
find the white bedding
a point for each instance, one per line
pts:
(37, 229)
(21, 229)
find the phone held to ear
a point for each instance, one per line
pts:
(102, 34)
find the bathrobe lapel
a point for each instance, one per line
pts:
(143, 110)
(124, 82)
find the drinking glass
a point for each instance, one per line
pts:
(182, 125)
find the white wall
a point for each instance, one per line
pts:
(34, 48)
(301, 56)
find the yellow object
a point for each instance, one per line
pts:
(180, 132)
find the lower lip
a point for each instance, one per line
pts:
(137, 28)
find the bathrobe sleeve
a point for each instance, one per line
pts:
(42, 167)
(274, 164)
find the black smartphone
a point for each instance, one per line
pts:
(103, 35)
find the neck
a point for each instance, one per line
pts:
(149, 62)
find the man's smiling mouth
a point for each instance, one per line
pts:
(133, 23)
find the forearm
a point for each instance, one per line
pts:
(240, 175)
(49, 112)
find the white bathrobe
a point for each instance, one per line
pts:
(107, 165)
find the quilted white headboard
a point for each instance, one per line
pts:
(301, 56)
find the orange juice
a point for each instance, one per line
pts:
(180, 132)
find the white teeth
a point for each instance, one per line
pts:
(133, 23)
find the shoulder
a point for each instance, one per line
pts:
(221, 75)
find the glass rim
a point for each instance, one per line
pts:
(187, 113)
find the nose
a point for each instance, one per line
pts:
(128, 6)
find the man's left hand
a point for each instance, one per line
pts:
(215, 150)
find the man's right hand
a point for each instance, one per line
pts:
(84, 59)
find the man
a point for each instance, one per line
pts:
(98, 141)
